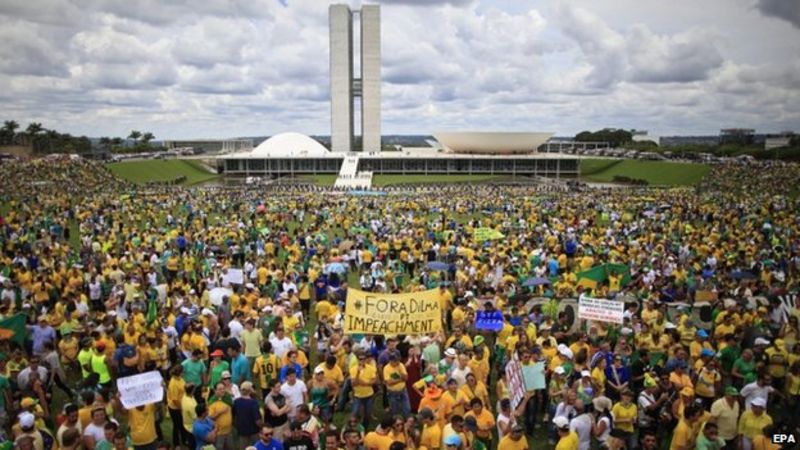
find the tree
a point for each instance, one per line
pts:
(135, 135)
(147, 137)
(9, 130)
(33, 133)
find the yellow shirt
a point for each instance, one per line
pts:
(431, 436)
(485, 423)
(751, 425)
(375, 441)
(621, 413)
(265, 369)
(175, 392)
(223, 422)
(506, 443)
(142, 424)
(369, 374)
(682, 436)
(393, 377)
(568, 442)
(188, 404)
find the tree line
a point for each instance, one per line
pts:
(44, 141)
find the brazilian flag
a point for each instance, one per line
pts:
(16, 325)
(595, 276)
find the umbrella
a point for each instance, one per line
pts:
(437, 265)
(346, 245)
(335, 267)
(216, 294)
(743, 275)
(537, 281)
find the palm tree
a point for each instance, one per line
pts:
(135, 135)
(32, 133)
(9, 130)
(147, 137)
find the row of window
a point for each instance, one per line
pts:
(533, 166)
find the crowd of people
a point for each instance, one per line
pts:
(236, 297)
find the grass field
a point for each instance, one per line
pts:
(161, 170)
(656, 173)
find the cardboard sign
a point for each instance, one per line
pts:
(142, 389)
(487, 234)
(516, 384)
(489, 320)
(234, 276)
(533, 376)
(383, 314)
(600, 310)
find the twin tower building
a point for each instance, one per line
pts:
(355, 78)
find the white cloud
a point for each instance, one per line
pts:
(252, 67)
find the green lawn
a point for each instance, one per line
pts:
(161, 170)
(657, 173)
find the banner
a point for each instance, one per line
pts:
(487, 234)
(533, 376)
(489, 320)
(234, 276)
(141, 389)
(600, 310)
(379, 313)
(516, 384)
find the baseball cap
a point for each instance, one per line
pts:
(450, 352)
(226, 374)
(452, 439)
(26, 420)
(561, 422)
(731, 390)
(759, 401)
(585, 373)
(559, 370)
(319, 369)
(217, 353)
(761, 341)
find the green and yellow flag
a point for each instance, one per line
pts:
(16, 326)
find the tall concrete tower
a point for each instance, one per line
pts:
(346, 84)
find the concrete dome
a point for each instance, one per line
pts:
(290, 144)
(491, 142)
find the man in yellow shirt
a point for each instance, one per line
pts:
(753, 421)
(515, 440)
(567, 439)
(431, 437)
(685, 434)
(220, 410)
(364, 376)
(394, 378)
(142, 423)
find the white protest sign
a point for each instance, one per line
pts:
(516, 384)
(141, 389)
(600, 310)
(234, 276)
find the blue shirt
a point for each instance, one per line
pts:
(240, 370)
(297, 370)
(273, 445)
(245, 415)
(200, 430)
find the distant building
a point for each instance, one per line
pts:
(643, 136)
(773, 142)
(741, 136)
(212, 145)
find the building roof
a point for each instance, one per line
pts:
(491, 142)
(289, 145)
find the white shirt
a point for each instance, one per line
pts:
(236, 329)
(582, 425)
(460, 375)
(294, 395)
(502, 418)
(751, 391)
(280, 346)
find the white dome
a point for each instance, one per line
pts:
(290, 144)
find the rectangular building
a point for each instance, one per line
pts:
(341, 59)
(371, 78)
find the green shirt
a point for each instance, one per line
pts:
(193, 371)
(216, 372)
(747, 369)
(4, 386)
(704, 444)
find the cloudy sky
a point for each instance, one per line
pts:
(223, 68)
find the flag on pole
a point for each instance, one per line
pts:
(15, 328)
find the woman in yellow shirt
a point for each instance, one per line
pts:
(624, 412)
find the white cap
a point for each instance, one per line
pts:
(566, 352)
(192, 291)
(761, 341)
(185, 310)
(250, 286)
(759, 401)
(559, 370)
(585, 373)
(450, 352)
(319, 369)
(267, 308)
(207, 312)
(561, 422)
(670, 326)
(26, 420)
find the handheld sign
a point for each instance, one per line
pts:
(142, 389)
(600, 310)
(489, 320)
(516, 384)
(382, 314)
